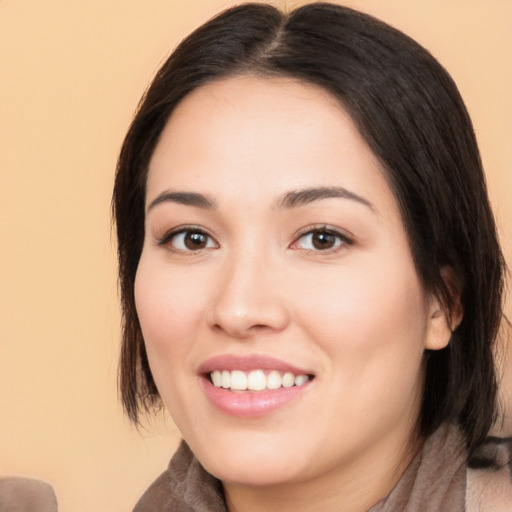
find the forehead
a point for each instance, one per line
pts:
(249, 134)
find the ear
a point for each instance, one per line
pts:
(441, 322)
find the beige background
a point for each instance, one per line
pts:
(71, 73)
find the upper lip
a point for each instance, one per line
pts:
(247, 363)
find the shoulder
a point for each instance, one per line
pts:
(489, 477)
(158, 497)
(18, 493)
(185, 487)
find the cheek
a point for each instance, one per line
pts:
(373, 331)
(368, 317)
(168, 311)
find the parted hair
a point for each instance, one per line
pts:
(409, 111)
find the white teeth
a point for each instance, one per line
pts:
(217, 378)
(238, 380)
(255, 380)
(274, 380)
(301, 379)
(288, 380)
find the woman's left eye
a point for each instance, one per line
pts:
(321, 240)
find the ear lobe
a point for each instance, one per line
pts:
(439, 329)
(442, 323)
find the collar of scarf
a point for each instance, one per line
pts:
(435, 481)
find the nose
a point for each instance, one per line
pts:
(248, 299)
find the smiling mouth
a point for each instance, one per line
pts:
(256, 380)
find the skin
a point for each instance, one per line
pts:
(354, 315)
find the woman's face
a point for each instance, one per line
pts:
(275, 258)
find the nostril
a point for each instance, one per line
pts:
(260, 327)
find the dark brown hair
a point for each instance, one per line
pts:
(410, 113)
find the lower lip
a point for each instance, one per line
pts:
(251, 404)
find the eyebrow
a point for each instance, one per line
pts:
(186, 198)
(297, 198)
(292, 199)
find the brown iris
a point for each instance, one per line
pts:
(194, 240)
(323, 240)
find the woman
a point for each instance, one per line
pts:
(310, 274)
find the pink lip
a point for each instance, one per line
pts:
(247, 363)
(249, 404)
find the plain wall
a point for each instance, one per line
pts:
(71, 73)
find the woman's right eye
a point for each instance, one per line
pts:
(188, 240)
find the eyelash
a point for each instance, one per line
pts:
(169, 236)
(343, 239)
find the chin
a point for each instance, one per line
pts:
(253, 473)
(254, 461)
